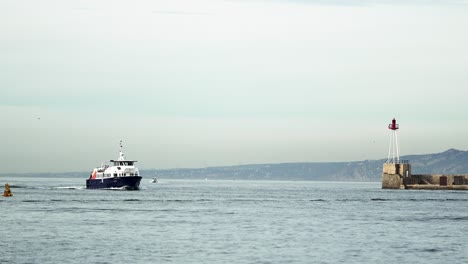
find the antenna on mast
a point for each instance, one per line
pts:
(121, 154)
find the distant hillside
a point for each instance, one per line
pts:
(451, 161)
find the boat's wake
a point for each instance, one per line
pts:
(123, 188)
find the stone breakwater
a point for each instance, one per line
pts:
(399, 176)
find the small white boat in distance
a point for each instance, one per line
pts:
(154, 180)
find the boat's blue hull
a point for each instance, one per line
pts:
(128, 182)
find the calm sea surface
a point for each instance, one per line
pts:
(50, 220)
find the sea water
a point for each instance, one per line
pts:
(54, 220)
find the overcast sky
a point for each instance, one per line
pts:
(211, 82)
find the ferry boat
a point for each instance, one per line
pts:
(121, 175)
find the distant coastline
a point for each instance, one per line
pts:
(450, 161)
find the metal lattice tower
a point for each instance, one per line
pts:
(393, 147)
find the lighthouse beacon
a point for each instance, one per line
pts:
(395, 170)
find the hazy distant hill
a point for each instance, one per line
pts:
(451, 161)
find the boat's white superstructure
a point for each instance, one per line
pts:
(120, 168)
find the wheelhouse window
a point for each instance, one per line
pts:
(123, 163)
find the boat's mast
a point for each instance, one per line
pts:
(121, 154)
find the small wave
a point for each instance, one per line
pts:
(437, 200)
(317, 200)
(71, 187)
(461, 218)
(349, 200)
(121, 210)
(193, 200)
(237, 200)
(431, 250)
(39, 201)
(444, 218)
(19, 186)
(437, 218)
(32, 201)
(426, 200)
(380, 199)
(179, 201)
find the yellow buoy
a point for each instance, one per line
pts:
(7, 192)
